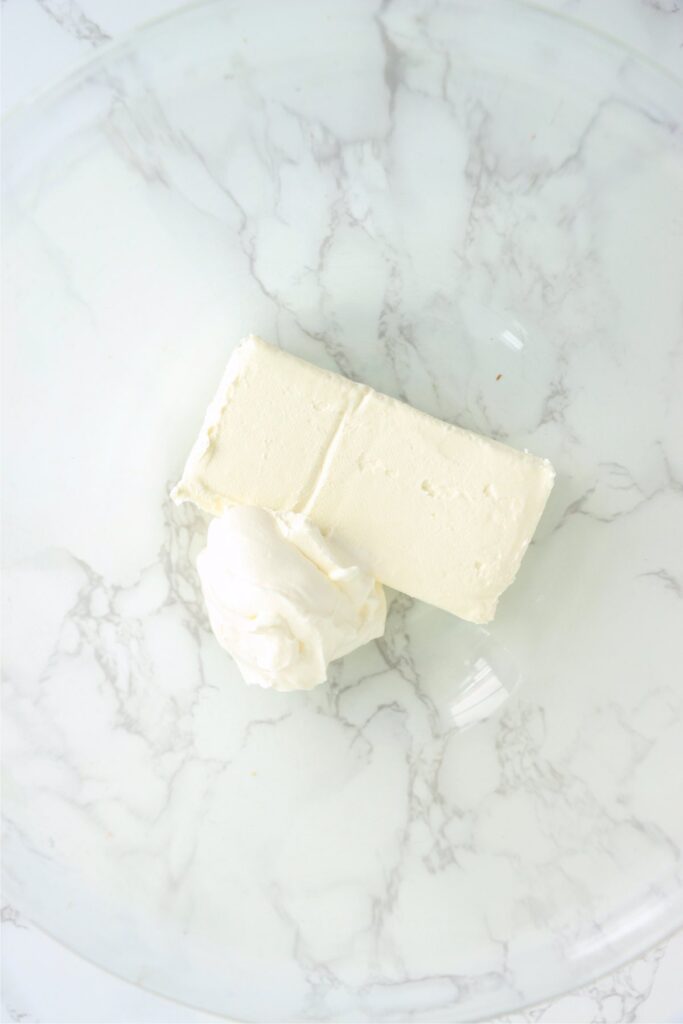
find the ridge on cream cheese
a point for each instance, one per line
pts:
(284, 600)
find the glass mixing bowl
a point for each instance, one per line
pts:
(474, 207)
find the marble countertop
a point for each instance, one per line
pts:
(42, 40)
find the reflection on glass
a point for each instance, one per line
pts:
(514, 339)
(482, 692)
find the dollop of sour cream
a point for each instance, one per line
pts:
(283, 599)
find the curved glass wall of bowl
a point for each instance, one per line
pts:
(477, 208)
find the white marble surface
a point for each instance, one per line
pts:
(606, 772)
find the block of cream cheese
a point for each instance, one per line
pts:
(438, 512)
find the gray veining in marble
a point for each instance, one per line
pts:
(436, 209)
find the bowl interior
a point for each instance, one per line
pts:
(476, 208)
